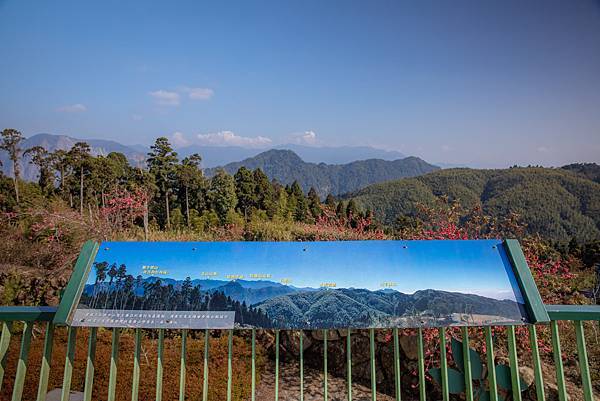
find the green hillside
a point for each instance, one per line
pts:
(555, 203)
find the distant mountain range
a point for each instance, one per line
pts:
(293, 307)
(286, 167)
(557, 203)
(211, 155)
(29, 172)
(349, 307)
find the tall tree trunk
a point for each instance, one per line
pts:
(16, 180)
(168, 213)
(81, 191)
(187, 207)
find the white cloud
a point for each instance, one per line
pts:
(305, 138)
(72, 108)
(228, 138)
(199, 93)
(543, 149)
(179, 139)
(165, 98)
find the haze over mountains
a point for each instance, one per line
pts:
(212, 156)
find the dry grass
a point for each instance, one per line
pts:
(147, 390)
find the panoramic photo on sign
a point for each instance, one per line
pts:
(300, 285)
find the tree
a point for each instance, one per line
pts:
(79, 157)
(162, 161)
(330, 202)
(59, 161)
(265, 193)
(189, 176)
(245, 191)
(11, 143)
(301, 205)
(221, 194)
(41, 158)
(314, 203)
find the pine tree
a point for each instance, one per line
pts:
(221, 195)
(190, 178)
(79, 157)
(162, 161)
(245, 190)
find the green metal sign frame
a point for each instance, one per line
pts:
(533, 302)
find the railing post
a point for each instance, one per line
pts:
(421, 357)
(135, 382)
(444, 365)
(514, 364)
(205, 370)
(558, 364)
(467, 364)
(89, 370)
(301, 365)
(22, 364)
(69, 359)
(491, 364)
(276, 365)
(182, 365)
(537, 363)
(583, 362)
(229, 356)
(397, 377)
(159, 364)
(254, 363)
(45, 366)
(373, 371)
(114, 364)
(4, 344)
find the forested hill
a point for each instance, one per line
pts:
(555, 203)
(286, 167)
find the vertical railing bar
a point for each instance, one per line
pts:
(583, 361)
(537, 363)
(397, 383)
(254, 363)
(182, 365)
(135, 384)
(301, 365)
(467, 364)
(22, 363)
(349, 363)
(46, 360)
(114, 364)
(372, 357)
(421, 357)
(4, 344)
(444, 364)
(491, 364)
(69, 358)
(325, 395)
(205, 372)
(514, 364)
(558, 363)
(90, 368)
(229, 370)
(159, 364)
(276, 365)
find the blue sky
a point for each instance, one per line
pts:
(479, 83)
(464, 266)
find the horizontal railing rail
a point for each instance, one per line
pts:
(30, 316)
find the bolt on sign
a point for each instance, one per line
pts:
(301, 285)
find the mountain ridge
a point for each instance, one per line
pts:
(286, 167)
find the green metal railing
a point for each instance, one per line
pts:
(43, 316)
